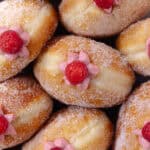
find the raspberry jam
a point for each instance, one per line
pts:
(146, 132)
(76, 72)
(10, 42)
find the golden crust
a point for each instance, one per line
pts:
(85, 129)
(38, 18)
(105, 89)
(85, 18)
(31, 106)
(132, 43)
(133, 115)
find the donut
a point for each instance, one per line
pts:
(74, 128)
(101, 18)
(134, 43)
(24, 107)
(25, 26)
(79, 71)
(133, 127)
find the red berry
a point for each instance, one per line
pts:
(3, 124)
(56, 148)
(146, 131)
(104, 4)
(76, 72)
(10, 42)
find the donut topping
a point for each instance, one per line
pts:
(76, 72)
(3, 124)
(10, 42)
(144, 136)
(106, 5)
(6, 127)
(146, 132)
(58, 144)
(13, 42)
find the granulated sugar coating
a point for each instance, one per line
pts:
(83, 128)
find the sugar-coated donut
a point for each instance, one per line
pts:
(24, 107)
(80, 71)
(134, 43)
(101, 18)
(25, 26)
(133, 128)
(76, 128)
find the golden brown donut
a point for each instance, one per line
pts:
(84, 129)
(109, 86)
(34, 17)
(26, 105)
(84, 17)
(134, 43)
(133, 118)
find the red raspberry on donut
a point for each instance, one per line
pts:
(10, 42)
(146, 131)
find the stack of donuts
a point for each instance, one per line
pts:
(75, 75)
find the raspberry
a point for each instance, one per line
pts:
(104, 4)
(76, 72)
(10, 42)
(146, 131)
(56, 148)
(3, 124)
